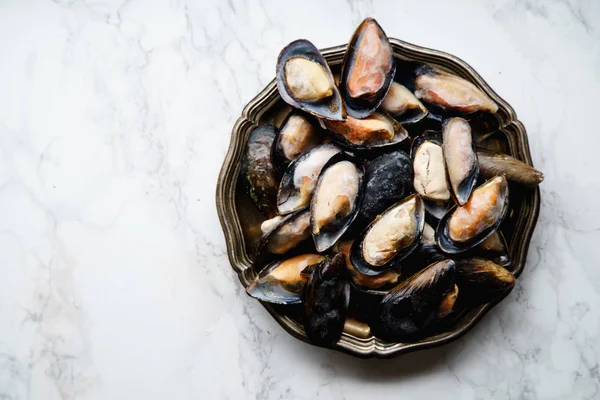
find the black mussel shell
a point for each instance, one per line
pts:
(282, 282)
(361, 99)
(492, 164)
(289, 235)
(482, 281)
(310, 134)
(412, 309)
(461, 178)
(291, 197)
(328, 108)
(357, 251)
(327, 296)
(259, 175)
(328, 234)
(442, 234)
(388, 178)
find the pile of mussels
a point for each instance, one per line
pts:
(383, 214)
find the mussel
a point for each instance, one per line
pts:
(390, 237)
(430, 180)
(385, 279)
(410, 309)
(298, 133)
(367, 70)
(388, 178)
(282, 281)
(300, 178)
(403, 105)
(283, 234)
(336, 199)
(464, 227)
(492, 164)
(495, 249)
(258, 171)
(376, 130)
(482, 281)
(327, 295)
(304, 81)
(451, 92)
(461, 159)
(424, 254)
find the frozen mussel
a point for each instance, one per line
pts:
(283, 234)
(403, 105)
(369, 282)
(376, 130)
(492, 164)
(430, 180)
(461, 159)
(297, 134)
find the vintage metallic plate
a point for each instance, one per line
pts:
(241, 221)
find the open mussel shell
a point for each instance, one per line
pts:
(336, 200)
(429, 166)
(403, 105)
(375, 131)
(384, 280)
(451, 92)
(436, 209)
(495, 249)
(482, 281)
(387, 179)
(305, 81)
(492, 164)
(391, 237)
(367, 70)
(327, 295)
(287, 234)
(464, 227)
(411, 309)
(460, 157)
(258, 172)
(298, 133)
(282, 282)
(300, 178)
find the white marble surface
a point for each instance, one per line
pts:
(114, 120)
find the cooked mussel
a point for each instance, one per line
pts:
(336, 199)
(287, 234)
(367, 70)
(451, 92)
(413, 307)
(482, 281)
(304, 81)
(429, 167)
(492, 164)
(464, 227)
(298, 133)
(376, 130)
(390, 237)
(258, 172)
(385, 279)
(495, 249)
(461, 159)
(403, 105)
(300, 178)
(282, 281)
(424, 254)
(327, 295)
(387, 179)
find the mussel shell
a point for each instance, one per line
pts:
(330, 233)
(409, 310)
(482, 281)
(343, 131)
(311, 138)
(492, 164)
(400, 94)
(356, 252)
(495, 249)
(310, 163)
(449, 246)
(436, 209)
(460, 190)
(327, 296)
(274, 242)
(434, 138)
(383, 281)
(388, 178)
(426, 253)
(281, 283)
(258, 172)
(331, 108)
(365, 105)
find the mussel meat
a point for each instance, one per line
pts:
(403, 105)
(300, 178)
(461, 159)
(327, 295)
(492, 164)
(451, 92)
(482, 281)
(282, 281)
(429, 166)
(376, 130)
(288, 233)
(298, 133)
(464, 227)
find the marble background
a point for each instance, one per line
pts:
(114, 120)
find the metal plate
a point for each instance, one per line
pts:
(241, 221)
